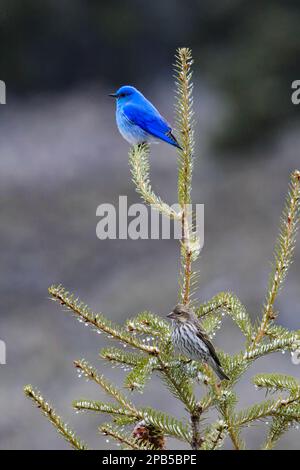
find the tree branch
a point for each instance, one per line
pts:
(61, 427)
(284, 250)
(184, 110)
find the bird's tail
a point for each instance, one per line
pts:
(171, 139)
(220, 373)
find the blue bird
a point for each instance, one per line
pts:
(138, 120)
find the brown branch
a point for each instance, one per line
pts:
(98, 321)
(133, 443)
(54, 418)
(197, 440)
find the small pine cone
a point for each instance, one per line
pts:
(149, 434)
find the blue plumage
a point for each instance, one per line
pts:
(138, 120)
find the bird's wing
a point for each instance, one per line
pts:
(203, 336)
(148, 118)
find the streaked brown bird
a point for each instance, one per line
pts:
(191, 341)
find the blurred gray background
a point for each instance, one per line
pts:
(61, 156)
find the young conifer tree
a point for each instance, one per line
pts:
(136, 427)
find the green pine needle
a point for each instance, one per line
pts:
(62, 428)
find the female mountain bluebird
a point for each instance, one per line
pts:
(138, 120)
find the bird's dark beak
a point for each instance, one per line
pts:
(113, 95)
(170, 315)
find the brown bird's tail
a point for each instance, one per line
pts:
(218, 370)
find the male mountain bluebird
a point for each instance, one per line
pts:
(138, 120)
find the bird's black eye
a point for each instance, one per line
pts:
(121, 95)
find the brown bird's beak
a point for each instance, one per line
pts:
(171, 315)
(113, 95)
